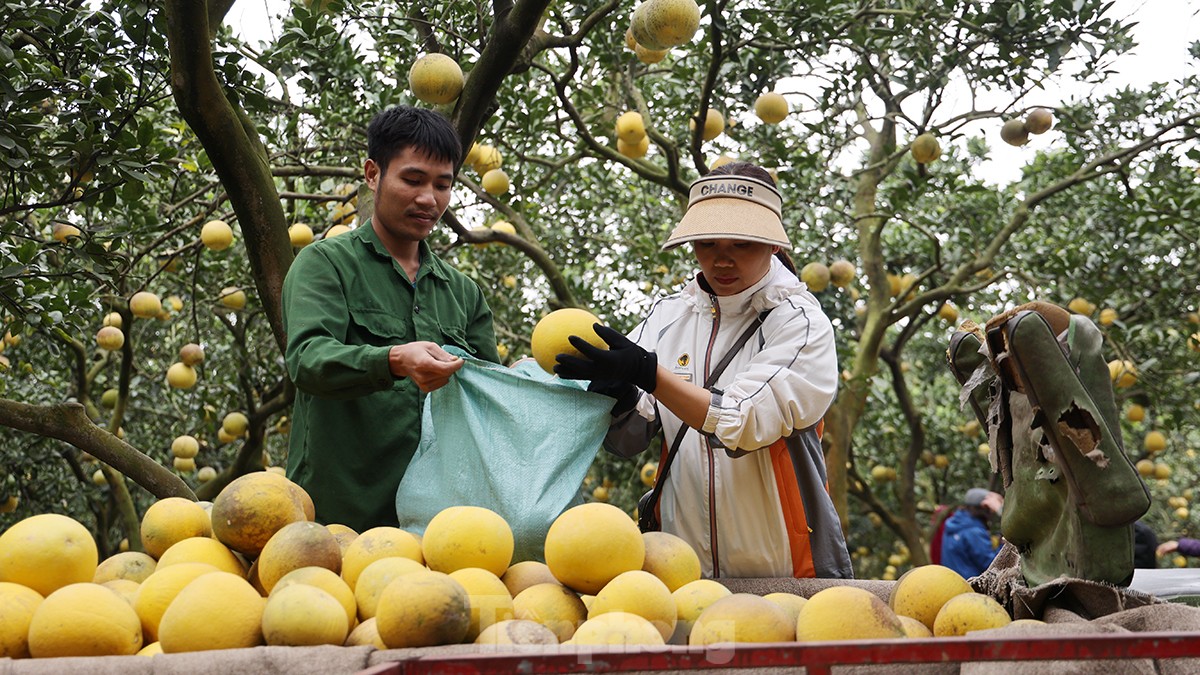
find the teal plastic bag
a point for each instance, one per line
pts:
(514, 440)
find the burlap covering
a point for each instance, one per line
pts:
(1070, 606)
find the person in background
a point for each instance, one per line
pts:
(1145, 546)
(747, 489)
(1183, 546)
(366, 314)
(967, 546)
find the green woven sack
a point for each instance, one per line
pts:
(514, 440)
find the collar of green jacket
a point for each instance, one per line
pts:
(430, 263)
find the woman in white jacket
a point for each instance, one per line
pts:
(747, 487)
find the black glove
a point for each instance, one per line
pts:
(625, 393)
(623, 361)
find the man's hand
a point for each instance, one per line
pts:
(1167, 547)
(994, 501)
(425, 363)
(623, 361)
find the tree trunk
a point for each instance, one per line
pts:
(236, 152)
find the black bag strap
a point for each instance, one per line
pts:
(661, 479)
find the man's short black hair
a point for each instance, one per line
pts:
(395, 129)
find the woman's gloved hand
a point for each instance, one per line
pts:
(623, 361)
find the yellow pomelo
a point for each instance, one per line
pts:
(495, 182)
(1081, 306)
(1155, 442)
(191, 354)
(948, 313)
(925, 148)
(203, 550)
(376, 543)
(113, 319)
(46, 552)
(649, 55)
(914, 628)
(641, 593)
(1145, 467)
(841, 273)
(503, 225)
(435, 78)
(816, 275)
(670, 558)
(145, 305)
(184, 447)
(84, 620)
(635, 150)
(846, 613)
(467, 536)
(661, 24)
(788, 602)
(1015, 133)
(215, 611)
(590, 544)
(343, 534)
(617, 628)
(132, 565)
(302, 615)
(298, 493)
(630, 127)
(327, 581)
(550, 335)
(181, 376)
(124, 588)
(252, 508)
(335, 231)
(171, 520)
(1108, 316)
(301, 235)
(1039, 121)
(232, 297)
(554, 606)
(920, 592)
(376, 577)
(489, 158)
(1123, 373)
(690, 600)
(893, 284)
(771, 107)
(365, 634)
(296, 545)
(17, 605)
(967, 612)
(489, 599)
(150, 649)
(1135, 413)
(110, 338)
(159, 590)
(423, 609)
(742, 617)
(524, 574)
(516, 632)
(714, 124)
(216, 235)
(720, 161)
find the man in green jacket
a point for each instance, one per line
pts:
(366, 314)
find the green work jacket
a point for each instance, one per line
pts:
(355, 426)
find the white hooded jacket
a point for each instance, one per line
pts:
(748, 491)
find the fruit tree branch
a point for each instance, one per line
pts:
(512, 29)
(69, 423)
(236, 153)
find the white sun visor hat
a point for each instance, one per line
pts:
(731, 207)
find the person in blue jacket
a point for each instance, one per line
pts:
(966, 541)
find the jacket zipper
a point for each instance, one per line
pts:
(712, 493)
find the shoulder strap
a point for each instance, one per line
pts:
(660, 480)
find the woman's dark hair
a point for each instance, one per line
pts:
(395, 129)
(758, 173)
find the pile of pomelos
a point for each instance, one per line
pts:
(253, 568)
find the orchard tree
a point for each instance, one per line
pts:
(137, 125)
